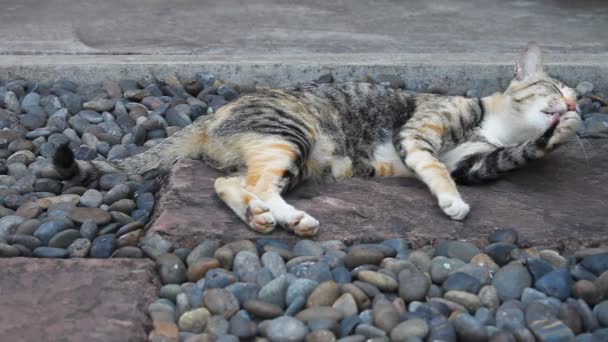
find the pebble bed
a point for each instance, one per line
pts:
(314, 291)
(327, 291)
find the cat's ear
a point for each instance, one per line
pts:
(529, 63)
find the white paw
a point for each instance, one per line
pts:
(303, 224)
(453, 206)
(259, 217)
(566, 128)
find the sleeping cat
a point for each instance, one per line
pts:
(269, 140)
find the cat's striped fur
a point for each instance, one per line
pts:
(269, 140)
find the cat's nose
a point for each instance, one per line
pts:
(571, 104)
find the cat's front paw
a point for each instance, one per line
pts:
(565, 129)
(453, 206)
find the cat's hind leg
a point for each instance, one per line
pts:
(271, 169)
(247, 206)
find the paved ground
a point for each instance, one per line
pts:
(299, 27)
(76, 300)
(559, 202)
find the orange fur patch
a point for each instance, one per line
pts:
(434, 127)
(246, 198)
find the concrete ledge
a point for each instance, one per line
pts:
(455, 72)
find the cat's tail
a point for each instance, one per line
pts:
(190, 142)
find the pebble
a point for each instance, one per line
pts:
(597, 263)
(504, 235)
(383, 282)
(511, 280)
(194, 320)
(80, 215)
(468, 300)
(221, 302)
(205, 249)
(103, 246)
(300, 287)
(385, 315)
(318, 312)
(468, 328)
(50, 252)
(128, 252)
(64, 238)
(551, 330)
(500, 252)
(246, 265)
(275, 291)
(79, 248)
(358, 256)
(262, 309)
(198, 268)
(153, 245)
(601, 313)
(171, 268)
(286, 329)
(442, 267)
(242, 326)
(47, 230)
(8, 251)
(460, 281)
(325, 294)
(555, 284)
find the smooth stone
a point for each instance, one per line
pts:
(508, 235)
(318, 312)
(489, 296)
(555, 283)
(244, 291)
(468, 328)
(530, 294)
(198, 268)
(80, 215)
(363, 301)
(219, 278)
(264, 276)
(553, 257)
(597, 263)
(538, 267)
(346, 304)
(413, 285)
(602, 284)
(262, 309)
(421, 260)
(242, 326)
(551, 330)
(500, 252)
(205, 249)
(578, 272)
(358, 256)
(383, 282)
(79, 248)
(28, 241)
(296, 305)
(307, 248)
(324, 295)
(461, 250)
(510, 318)
(320, 336)
(64, 238)
(118, 192)
(536, 311)
(88, 229)
(145, 201)
(130, 238)
(442, 267)
(171, 269)
(154, 245)
(568, 314)
(341, 275)
(246, 265)
(50, 252)
(385, 315)
(45, 203)
(369, 331)
(466, 299)
(8, 251)
(47, 230)
(460, 281)
(511, 280)
(109, 180)
(601, 313)
(590, 322)
(128, 226)
(128, 252)
(221, 302)
(103, 246)
(275, 291)
(286, 329)
(194, 321)
(274, 263)
(300, 287)
(218, 325)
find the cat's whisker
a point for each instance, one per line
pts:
(580, 142)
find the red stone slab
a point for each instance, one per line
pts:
(561, 201)
(75, 300)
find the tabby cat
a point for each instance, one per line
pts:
(269, 140)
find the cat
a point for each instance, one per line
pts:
(269, 140)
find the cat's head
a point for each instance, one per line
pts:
(537, 99)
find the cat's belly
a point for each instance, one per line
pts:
(385, 163)
(388, 163)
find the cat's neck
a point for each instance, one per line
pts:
(499, 125)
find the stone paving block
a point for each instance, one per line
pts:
(76, 299)
(557, 202)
